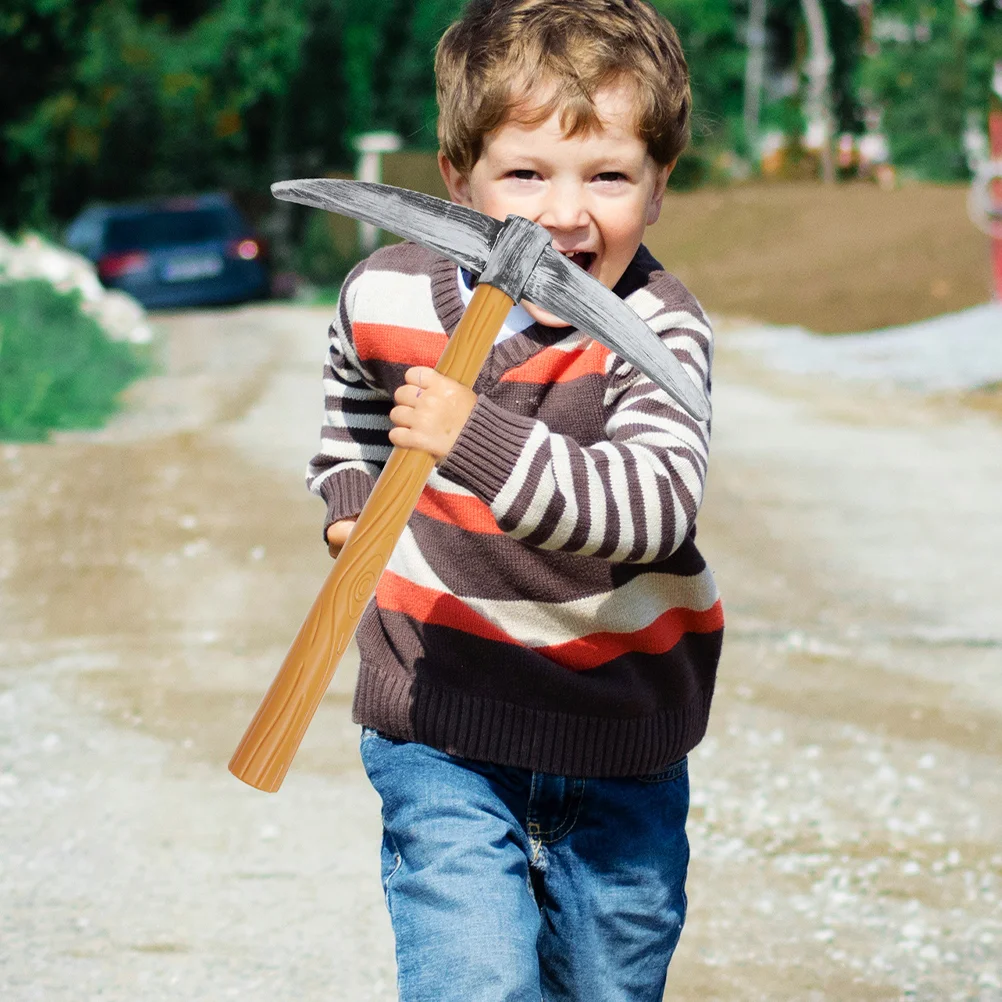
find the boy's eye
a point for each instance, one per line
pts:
(610, 175)
(522, 175)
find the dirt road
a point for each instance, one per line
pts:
(847, 803)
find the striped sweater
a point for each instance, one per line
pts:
(546, 606)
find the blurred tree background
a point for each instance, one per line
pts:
(931, 70)
(112, 99)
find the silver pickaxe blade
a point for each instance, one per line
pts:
(569, 292)
(460, 234)
(467, 237)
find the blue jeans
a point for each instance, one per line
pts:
(505, 885)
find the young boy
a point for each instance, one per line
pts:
(541, 651)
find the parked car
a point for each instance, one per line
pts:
(174, 252)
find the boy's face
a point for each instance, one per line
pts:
(596, 192)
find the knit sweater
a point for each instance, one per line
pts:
(546, 606)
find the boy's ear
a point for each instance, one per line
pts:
(654, 209)
(457, 184)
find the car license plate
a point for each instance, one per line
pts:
(187, 269)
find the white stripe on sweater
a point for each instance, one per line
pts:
(410, 305)
(507, 495)
(344, 449)
(683, 320)
(351, 419)
(439, 483)
(355, 390)
(626, 609)
(563, 479)
(314, 481)
(536, 510)
(596, 496)
(621, 494)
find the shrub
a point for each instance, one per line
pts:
(327, 251)
(58, 369)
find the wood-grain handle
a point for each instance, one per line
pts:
(270, 743)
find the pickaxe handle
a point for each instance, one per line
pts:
(270, 743)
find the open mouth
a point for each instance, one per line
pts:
(583, 259)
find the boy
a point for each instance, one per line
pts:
(542, 648)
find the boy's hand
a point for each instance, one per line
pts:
(337, 535)
(431, 411)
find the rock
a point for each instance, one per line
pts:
(119, 314)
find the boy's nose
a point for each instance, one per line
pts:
(563, 211)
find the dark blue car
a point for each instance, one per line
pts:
(174, 252)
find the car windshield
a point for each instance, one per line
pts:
(163, 228)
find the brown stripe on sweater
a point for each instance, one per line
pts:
(523, 499)
(548, 523)
(612, 519)
(580, 532)
(553, 575)
(501, 730)
(520, 677)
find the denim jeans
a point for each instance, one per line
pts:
(505, 885)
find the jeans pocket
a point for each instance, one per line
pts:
(669, 774)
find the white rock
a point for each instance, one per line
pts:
(121, 317)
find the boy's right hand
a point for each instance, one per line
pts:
(337, 535)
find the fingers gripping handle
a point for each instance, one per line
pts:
(270, 743)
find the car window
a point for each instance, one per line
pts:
(164, 228)
(84, 235)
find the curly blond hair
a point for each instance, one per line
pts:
(527, 59)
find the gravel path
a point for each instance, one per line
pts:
(847, 802)
(954, 352)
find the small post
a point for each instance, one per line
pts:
(754, 74)
(371, 146)
(821, 124)
(995, 147)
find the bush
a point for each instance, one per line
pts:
(327, 251)
(57, 368)
(692, 171)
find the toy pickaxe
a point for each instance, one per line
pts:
(515, 261)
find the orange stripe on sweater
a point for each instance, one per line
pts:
(459, 510)
(436, 608)
(427, 605)
(555, 366)
(402, 345)
(658, 638)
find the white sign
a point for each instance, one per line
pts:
(372, 146)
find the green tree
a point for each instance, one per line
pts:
(712, 35)
(410, 91)
(40, 43)
(928, 80)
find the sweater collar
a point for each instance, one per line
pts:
(521, 346)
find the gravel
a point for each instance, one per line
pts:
(846, 802)
(954, 352)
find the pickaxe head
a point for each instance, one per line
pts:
(515, 256)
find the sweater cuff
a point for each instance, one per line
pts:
(345, 493)
(487, 449)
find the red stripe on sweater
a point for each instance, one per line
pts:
(427, 605)
(555, 366)
(403, 345)
(464, 512)
(658, 638)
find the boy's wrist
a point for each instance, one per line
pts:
(487, 449)
(345, 493)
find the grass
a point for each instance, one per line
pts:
(58, 369)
